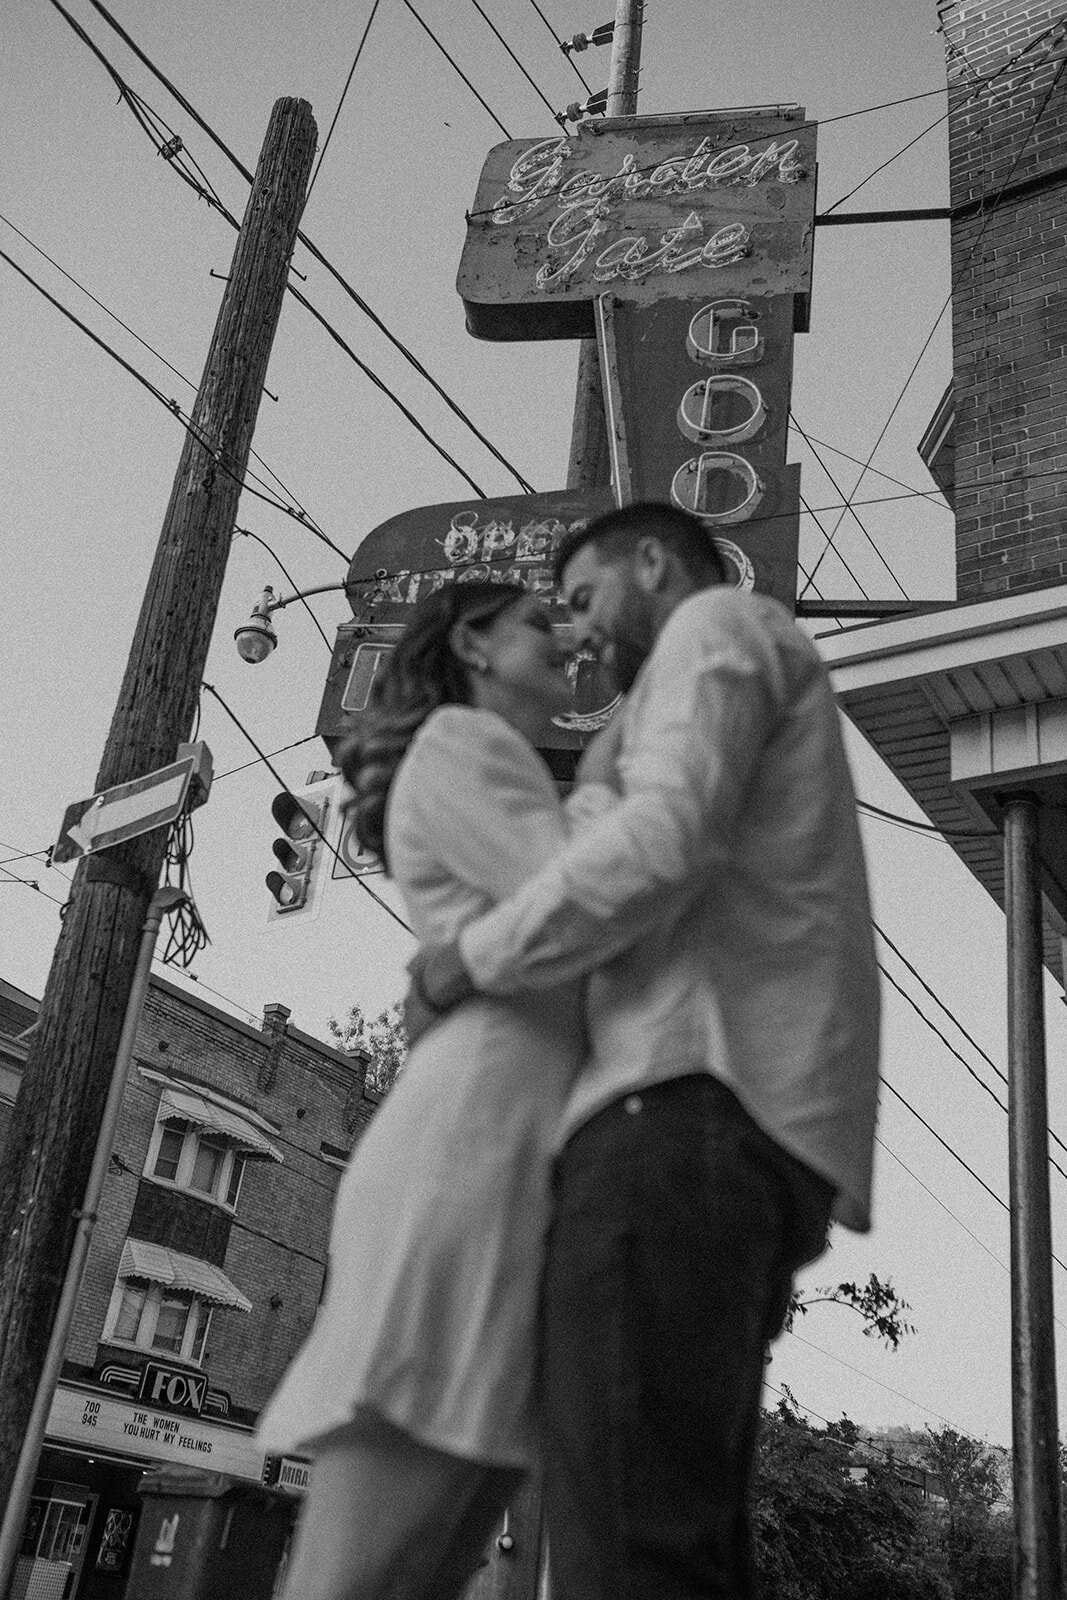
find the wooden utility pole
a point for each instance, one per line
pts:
(74, 1042)
(589, 464)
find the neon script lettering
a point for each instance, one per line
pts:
(538, 176)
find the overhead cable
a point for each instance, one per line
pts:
(308, 243)
(246, 533)
(866, 534)
(455, 67)
(340, 103)
(982, 84)
(869, 1376)
(957, 275)
(926, 827)
(171, 405)
(257, 761)
(935, 496)
(29, 883)
(574, 65)
(386, 907)
(500, 37)
(311, 523)
(946, 1209)
(957, 1157)
(951, 1047)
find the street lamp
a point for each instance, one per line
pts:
(256, 638)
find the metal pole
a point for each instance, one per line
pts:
(589, 464)
(18, 1501)
(1035, 1464)
(625, 58)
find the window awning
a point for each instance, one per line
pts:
(179, 1105)
(156, 1264)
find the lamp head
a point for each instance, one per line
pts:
(256, 638)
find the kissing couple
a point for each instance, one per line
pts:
(642, 1081)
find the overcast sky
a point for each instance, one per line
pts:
(89, 457)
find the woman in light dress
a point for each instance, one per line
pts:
(413, 1393)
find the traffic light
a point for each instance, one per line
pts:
(302, 817)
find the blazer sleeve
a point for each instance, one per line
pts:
(480, 802)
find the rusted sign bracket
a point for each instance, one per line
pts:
(613, 407)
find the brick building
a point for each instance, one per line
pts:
(1007, 143)
(968, 706)
(961, 703)
(205, 1272)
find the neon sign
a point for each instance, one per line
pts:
(645, 207)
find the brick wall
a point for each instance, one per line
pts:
(1009, 307)
(311, 1094)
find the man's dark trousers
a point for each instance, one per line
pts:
(677, 1228)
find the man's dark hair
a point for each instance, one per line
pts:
(617, 534)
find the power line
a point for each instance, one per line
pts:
(455, 67)
(313, 526)
(952, 1152)
(308, 243)
(957, 275)
(948, 1044)
(971, 1040)
(281, 781)
(49, 864)
(246, 533)
(811, 446)
(171, 405)
(815, 518)
(340, 103)
(884, 105)
(981, 85)
(308, 737)
(935, 496)
(380, 384)
(573, 64)
(937, 1201)
(30, 883)
(500, 37)
(924, 827)
(957, 1157)
(951, 1048)
(894, 157)
(949, 1212)
(867, 1375)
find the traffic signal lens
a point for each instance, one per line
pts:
(291, 858)
(288, 892)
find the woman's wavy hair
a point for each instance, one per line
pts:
(420, 674)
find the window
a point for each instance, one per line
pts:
(151, 1317)
(169, 1154)
(198, 1159)
(56, 1527)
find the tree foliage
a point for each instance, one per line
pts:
(838, 1520)
(876, 1303)
(966, 1470)
(828, 1531)
(383, 1038)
